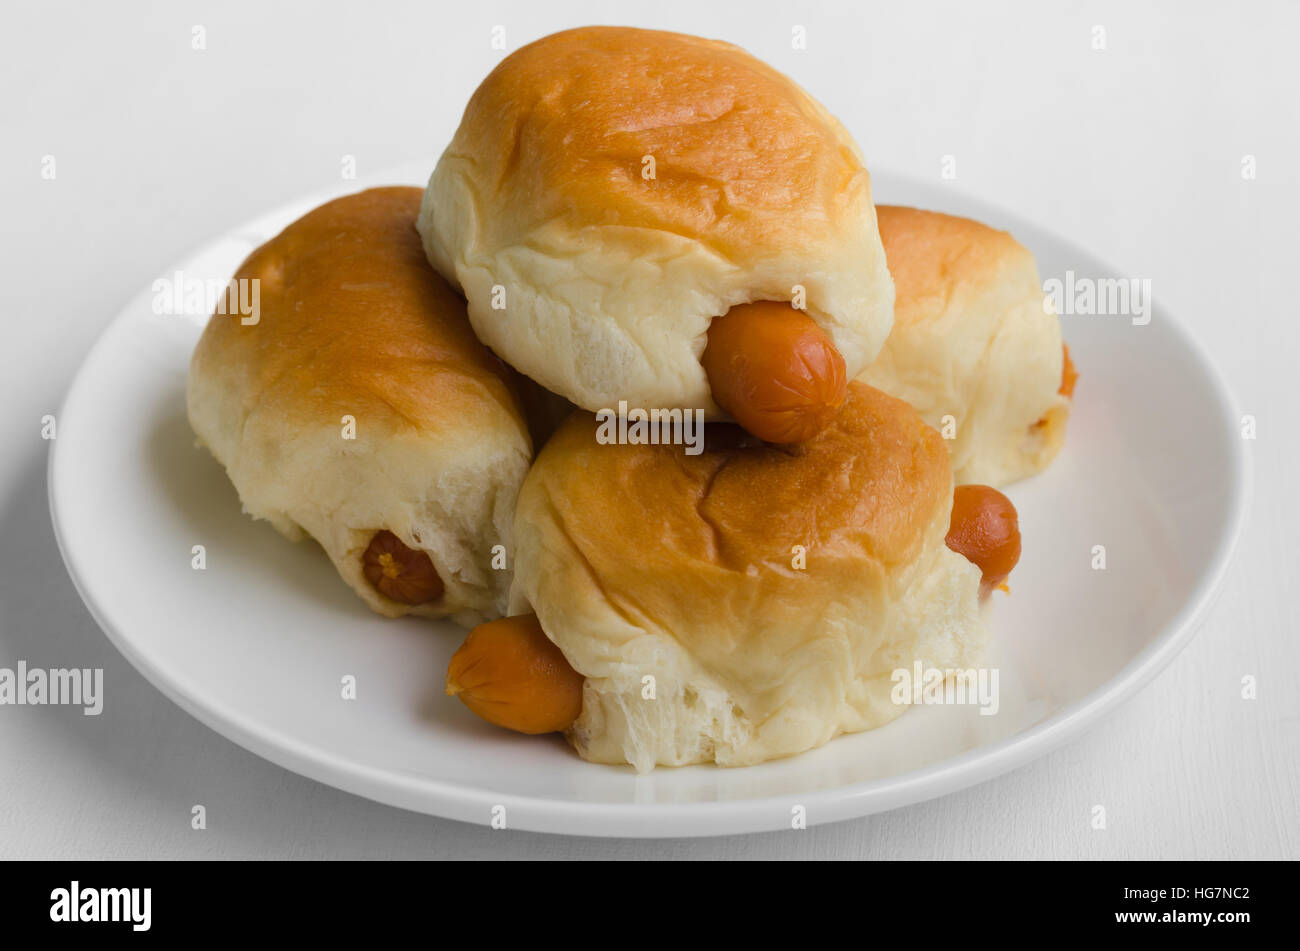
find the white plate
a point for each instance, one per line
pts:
(257, 644)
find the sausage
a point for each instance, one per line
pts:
(399, 573)
(775, 371)
(510, 673)
(985, 529)
(1069, 375)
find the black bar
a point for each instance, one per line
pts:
(956, 899)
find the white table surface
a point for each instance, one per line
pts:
(1134, 151)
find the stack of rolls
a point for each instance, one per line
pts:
(777, 482)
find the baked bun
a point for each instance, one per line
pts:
(972, 340)
(606, 280)
(642, 561)
(354, 323)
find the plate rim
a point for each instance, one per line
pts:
(695, 819)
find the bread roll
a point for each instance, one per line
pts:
(611, 190)
(972, 340)
(769, 592)
(355, 326)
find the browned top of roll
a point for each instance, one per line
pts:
(744, 157)
(650, 518)
(353, 320)
(930, 253)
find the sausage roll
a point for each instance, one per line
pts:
(611, 191)
(740, 605)
(975, 347)
(360, 409)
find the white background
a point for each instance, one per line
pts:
(1135, 152)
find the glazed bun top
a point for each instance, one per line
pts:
(618, 188)
(353, 321)
(745, 160)
(658, 527)
(932, 255)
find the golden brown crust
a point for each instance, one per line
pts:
(929, 253)
(651, 518)
(345, 302)
(741, 153)
(973, 347)
(610, 191)
(750, 602)
(359, 400)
